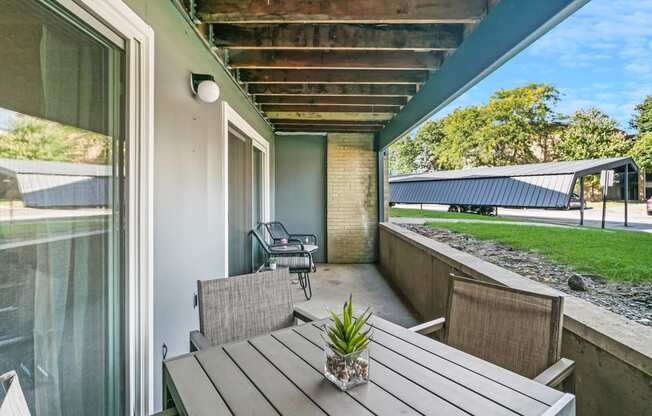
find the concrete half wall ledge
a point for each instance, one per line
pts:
(613, 355)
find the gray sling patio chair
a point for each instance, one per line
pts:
(294, 256)
(241, 307)
(514, 329)
(14, 403)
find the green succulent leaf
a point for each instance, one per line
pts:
(345, 333)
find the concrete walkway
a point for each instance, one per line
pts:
(333, 283)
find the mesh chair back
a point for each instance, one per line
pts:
(277, 231)
(244, 306)
(515, 329)
(14, 403)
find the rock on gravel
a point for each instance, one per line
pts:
(631, 300)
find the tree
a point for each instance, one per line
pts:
(642, 151)
(515, 126)
(642, 119)
(402, 156)
(520, 125)
(591, 134)
(37, 139)
(416, 154)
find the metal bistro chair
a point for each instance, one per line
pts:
(514, 329)
(241, 307)
(294, 256)
(278, 233)
(14, 403)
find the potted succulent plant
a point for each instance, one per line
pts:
(346, 356)
(272, 263)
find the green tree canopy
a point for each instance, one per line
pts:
(515, 126)
(591, 134)
(642, 150)
(37, 139)
(642, 120)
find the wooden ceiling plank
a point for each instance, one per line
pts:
(302, 59)
(339, 36)
(327, 76)
(329, 99)
(331, 108)
(329, 116)
(317, 128)
(347, 90)
(346, 11)
(327, 122)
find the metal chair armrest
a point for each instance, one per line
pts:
(166, 412)
(198, 341)
(303, 315)
(429, 327)
(556, 373)
(311, 238)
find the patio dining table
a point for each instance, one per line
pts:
(410, 374)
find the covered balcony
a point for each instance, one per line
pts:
(141, 141)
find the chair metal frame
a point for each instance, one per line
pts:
(285, 235)
(290, 250)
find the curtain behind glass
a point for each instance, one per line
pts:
(60, 236)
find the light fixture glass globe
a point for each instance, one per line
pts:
(208, 91)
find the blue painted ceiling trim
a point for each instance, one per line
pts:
(509, 28)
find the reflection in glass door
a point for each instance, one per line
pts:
(61, 204)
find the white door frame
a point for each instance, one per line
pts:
(230, 116)
(139, 121)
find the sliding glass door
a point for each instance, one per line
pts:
(62, 210)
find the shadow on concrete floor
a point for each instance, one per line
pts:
(333, 283)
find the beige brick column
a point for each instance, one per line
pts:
(352, 208)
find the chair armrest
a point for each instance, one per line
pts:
(309, 238)
(198, 341)
(556, 373)
(303, 315)
(429, 327)
(167, 412)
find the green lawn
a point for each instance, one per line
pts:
(614, 255)
(417, 213)
(19, 231)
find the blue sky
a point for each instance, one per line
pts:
(600, 56)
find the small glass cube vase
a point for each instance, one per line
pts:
(346, 371)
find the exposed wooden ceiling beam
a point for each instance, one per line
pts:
(303, 59)
(349, 90)
(339, 36)
(328, 76)
(347, 11)
(327, 122)
(331, 108)
(329, 116)
(329, 99)
(316, 128)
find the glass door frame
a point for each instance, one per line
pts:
(230, 116)
(116, 21)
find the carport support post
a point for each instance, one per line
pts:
(626, 190)
(604, 199)
(582, 200)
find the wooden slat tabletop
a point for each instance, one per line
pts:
(282, 374)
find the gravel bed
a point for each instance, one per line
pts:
(631, 300)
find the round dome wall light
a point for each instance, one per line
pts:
(204, 87)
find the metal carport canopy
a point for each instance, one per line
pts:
(46, 184)
(538, 185)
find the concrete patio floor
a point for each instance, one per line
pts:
(333, 283)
